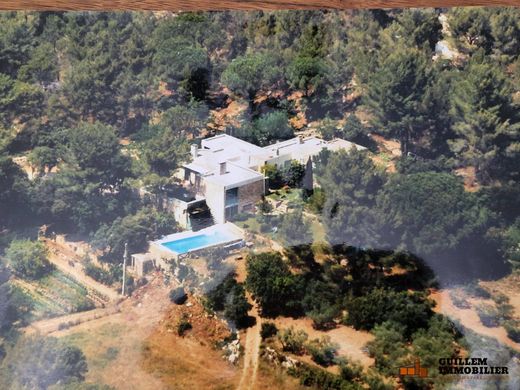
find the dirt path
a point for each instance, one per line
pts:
(469, 319)
(68, 262)
(251, 351)
(51, 325)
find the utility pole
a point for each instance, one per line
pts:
(125, 256)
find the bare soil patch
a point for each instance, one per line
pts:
(509, 286)
(227, 116)
(388, 152)
(191, 361)
(469, 175)
(469, 318)
(351, 342)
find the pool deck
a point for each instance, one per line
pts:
(235, 234)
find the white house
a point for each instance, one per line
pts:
(226, 171)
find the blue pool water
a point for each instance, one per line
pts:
(184, 245)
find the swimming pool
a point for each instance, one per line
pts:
(188, 244)
(185, 242)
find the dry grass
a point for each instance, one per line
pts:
(191, 361)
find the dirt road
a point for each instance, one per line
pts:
(51, 325)
(251, 351)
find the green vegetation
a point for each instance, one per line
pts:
(250, 73)
(315, 378)
(294, 230)
(229, 297)
(37, 363)
(266, 129)
(14, 187)
(409, 310)
(100, 108)
(271, 283)
(511, 244)
(268, 330)
(156, 79)
(136, 230)
(350, 182)
(11, 309)
(291, 175)
(28, 259)
(513, 330)
(293, 340)
(53, 295)
(428, 213)
(322, 351)
(100, 274)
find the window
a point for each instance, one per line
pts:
(231, 211)
(232, 197)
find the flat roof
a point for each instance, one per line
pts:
(235, 176)
(240, 156)
(299, 147)
(230, 143)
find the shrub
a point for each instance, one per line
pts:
(178, 296)
(322, 350)
(229, 297)
(183, 325)
(268, 330)
(500, 299)
(236, 306)
(489, 315)
(512, 328)
(505, 310)
(264, 207)
(323, 318)
(274, 176)
(99, 274)
(350, 370)
(475, 290)
(28, 258)
(83, 305)
(459, 300)
(316, 201)
(294, 174)
(265, 227)
(410, 310)
(293, 340)
(320, 379)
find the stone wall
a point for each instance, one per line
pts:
(249, 195)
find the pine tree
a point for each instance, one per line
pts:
(396, 95)
(486, 123)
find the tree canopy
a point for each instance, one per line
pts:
(28, 258)
(38, 362)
